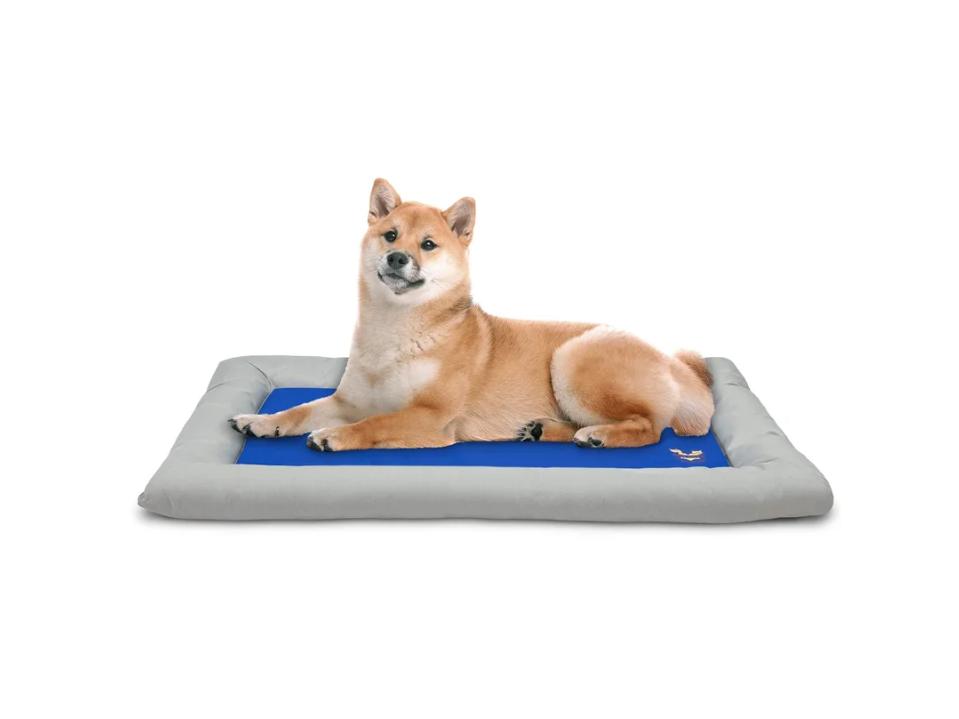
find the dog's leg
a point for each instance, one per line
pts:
(623, 392)
(411, 427)
(546, 429)
(324, 412)
(636, 432)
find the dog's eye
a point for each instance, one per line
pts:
(390, 235)
(429, 245)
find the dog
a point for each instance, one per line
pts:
(429, 368)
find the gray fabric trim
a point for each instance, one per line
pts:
(199, 479)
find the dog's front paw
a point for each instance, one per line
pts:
(324, 440)
(256, 425)
(586, 438)
(530, 432)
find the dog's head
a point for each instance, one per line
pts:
(413, 253)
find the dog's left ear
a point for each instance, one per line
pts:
(460, 217)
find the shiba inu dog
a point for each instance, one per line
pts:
(429, 368)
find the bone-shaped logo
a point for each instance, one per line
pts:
(688, 456)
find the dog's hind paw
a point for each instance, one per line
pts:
(530, 432)
(546, 429)
(585, 438)
(255, 425)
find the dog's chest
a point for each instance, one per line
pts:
(385, 373)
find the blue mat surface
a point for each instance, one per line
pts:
(671, 451)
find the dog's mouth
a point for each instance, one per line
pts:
(399, 284)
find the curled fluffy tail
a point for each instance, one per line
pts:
(697, 364)
(694, 410)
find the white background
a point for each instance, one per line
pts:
(772, 182)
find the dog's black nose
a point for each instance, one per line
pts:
(397, 260)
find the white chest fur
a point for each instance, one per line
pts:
(388, 366)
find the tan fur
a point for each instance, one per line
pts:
(429, 368)
(697, 364)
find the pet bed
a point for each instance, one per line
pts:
(744, 470)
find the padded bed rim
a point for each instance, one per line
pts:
(199, 480)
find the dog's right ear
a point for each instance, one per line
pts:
(383, 200)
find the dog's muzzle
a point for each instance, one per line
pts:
(399, 272)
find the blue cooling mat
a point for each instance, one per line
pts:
(293, 450)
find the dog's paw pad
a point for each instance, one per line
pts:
(255, 425)
(323, 446)
(589, 443)
(530, 432)
(319, 443)
(241, 423)
(585, 439)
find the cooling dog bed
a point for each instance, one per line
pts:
(744, 470)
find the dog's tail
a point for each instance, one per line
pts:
(697, 364)
(694, 411)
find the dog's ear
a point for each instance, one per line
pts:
(460, 217)
(383, 200)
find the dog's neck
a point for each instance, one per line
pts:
(385, 329)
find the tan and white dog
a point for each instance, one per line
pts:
(429, 368)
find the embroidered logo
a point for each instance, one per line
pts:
(688, 456)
